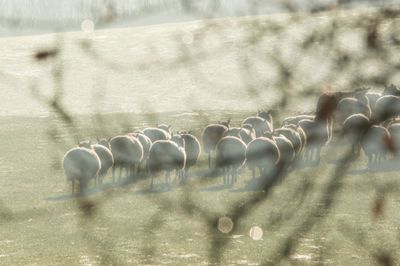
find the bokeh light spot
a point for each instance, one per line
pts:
(225, 224)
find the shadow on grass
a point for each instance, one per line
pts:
(92, 191)
(392, 165)
(216, 188)
(157, 188)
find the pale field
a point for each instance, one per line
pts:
(187, 75)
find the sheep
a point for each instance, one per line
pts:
(192, 150)
(245, 133)
(146, 144)
(261, 123)
(106, 158)
(374, 144)
(104, 142)
(350, 106)
(230, 156)
(166, 128)
(82, 165)
(264, 154)
(386, 107)
(293, 136)
(128, 153)
(287, 152)
(294, 120)
(155, 134)
(353, 130)
(328, 101)
(211, 135)
(166, 155)
(105, 155)
(372, 99)
(391, 90)
(318, 134)
(394, 143)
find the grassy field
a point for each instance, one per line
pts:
(41, 224)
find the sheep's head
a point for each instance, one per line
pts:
(267, 115)
(85, 144)
(179, 140)
(104, 142)
(268, 134)
(225, 123)
(391, 90)
(165, 127)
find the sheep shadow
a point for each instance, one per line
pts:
(300, 164)
(392, 165)
(216, 188)
(91, 191)
(156, 189)
(71, 196)
(256, 184)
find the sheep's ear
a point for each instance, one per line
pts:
(172, 134)
(109, 139)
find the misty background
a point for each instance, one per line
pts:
(40, 16)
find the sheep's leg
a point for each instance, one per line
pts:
(121, 168)
(152, 181)
(230, 173)
(307, 154)
(186, 175)
(236, 174)
(209, 160)
(73, 186)
(312, 154)
(369, 161)
(83, 187)
(318, 156)
(113, 174)
(167, 177)
(177, 177)
(224, 175)
(253, 173)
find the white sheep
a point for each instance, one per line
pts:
(294, 120)
(394, 143)
(105, 155)
(155, 134)
(192, 150)
(166, 128)
(318, 134)
(293, 136)
(261, 123)
(375, 144)
(245, 133)
(166, 155)
(350, 106)
(230, 156)
(264, 154)
(353, 130)
(146, 144)
(128, 153)
(211, 135)
(386, 107)
(81, 165)
(286, 151)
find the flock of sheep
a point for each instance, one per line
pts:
(369, 121)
